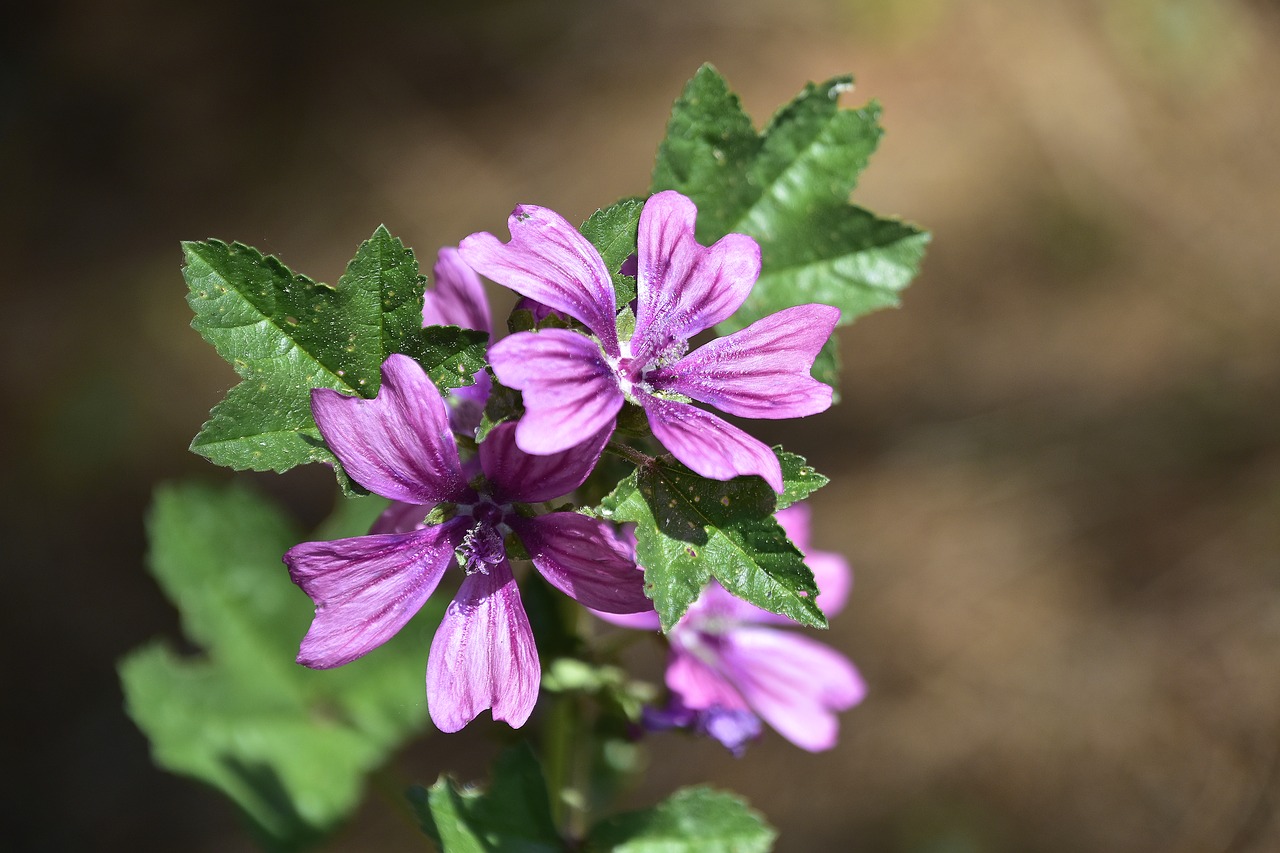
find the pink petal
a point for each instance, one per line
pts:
(581, 557)
(794, 683)
(710, 446)
(518, 476)
(834, 578)
(400, 517)
(458, 298)
(397, 445)
(466, 404)
(716, 606)
(570, 393)
(366, 588)
(548, 261)
(796, 523)
(699, 685)
(682, 286)
(636, 621)
(761, 371)
(483, 655)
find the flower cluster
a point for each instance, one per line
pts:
(574, 384)
(729, 669)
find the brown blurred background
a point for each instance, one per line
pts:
(1056, 469)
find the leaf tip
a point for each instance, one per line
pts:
(837, 86)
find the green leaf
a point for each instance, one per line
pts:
(514, 814)
(690, 529)
(290, 746)
(286, 334)
(692, 820)
(799, 479)
(613, 232)
(789, 187)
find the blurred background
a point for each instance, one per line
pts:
(1056, 470)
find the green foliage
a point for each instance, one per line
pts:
(613, 232)
(610, 683)
(286, 334)
(692, 820)
(514, 814)
(690, 529)
(789, 187)
(290, 746)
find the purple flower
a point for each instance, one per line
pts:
(574, 385)
(459, 300)
(734, 728)
(730, 663)
(399, 445)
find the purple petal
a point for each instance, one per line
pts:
(580, 557)
(518, 476)
(549, 261)
(570, 393)
(834, 578)
(793, 682)
(539, 311)
(710, 446)
(458, 298)
(398, 444)
(733, 728)
(676, 715)
(631, 266)
(400, 517)
(699, 685)
(684, 287)
(761, 371)
(716, 607)
(466, 404)
(483, 655)
(636, 621)
(366, 588)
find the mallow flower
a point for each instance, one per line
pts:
(574, 384)
(458, 296)
(458, 300)
(732, 664)
(400, 445)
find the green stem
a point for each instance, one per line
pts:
(567, 749)
(632, 455)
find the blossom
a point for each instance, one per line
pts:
(574, 384)
(731, 666)
(458, 300)
(399, 445)
(733, 728)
